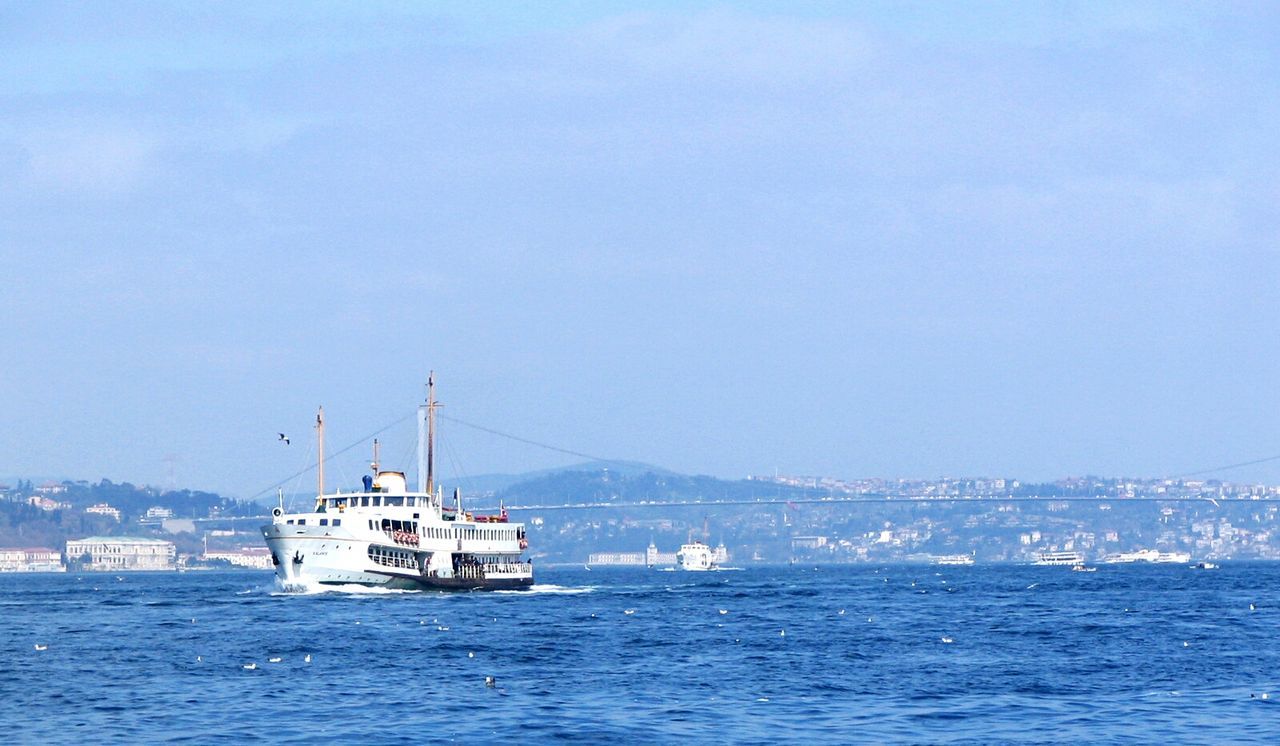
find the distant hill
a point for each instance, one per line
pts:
(596, 484)
(23, 524)
(493, 484)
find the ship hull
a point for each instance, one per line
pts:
(304, 562)
(451, 584)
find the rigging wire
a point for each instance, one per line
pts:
(459, 474)
(297, 483)
(332, 456)
(457, 467)
(407, 456)
(499, 433)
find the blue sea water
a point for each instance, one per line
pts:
(1134, 653)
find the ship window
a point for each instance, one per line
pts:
(364, 501)
(324, 521)
(290, 521)
(337, 521)
(377, 501)
(415, 515)
(302, 521)
(409, 501)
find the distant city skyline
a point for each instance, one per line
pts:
(1028, 240)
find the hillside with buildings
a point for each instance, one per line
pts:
(786, 519)
(631, 515)
(107, 526)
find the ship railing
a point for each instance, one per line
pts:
(470, 572)
(508, 568)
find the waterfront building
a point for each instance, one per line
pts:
(654, 558)
(30, 559)
(257, 558)
(616, 558)
(808, 542)
(115, 553)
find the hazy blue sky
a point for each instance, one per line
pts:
(850, 239)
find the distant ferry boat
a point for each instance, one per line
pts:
(1149, 555)
(953, 559)
(1059, 558)
(385, 535)
(696, 556)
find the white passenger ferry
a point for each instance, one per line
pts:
(1149, 555)
(697, 556)
(385, 535)
(1060, 558)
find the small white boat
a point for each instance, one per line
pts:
(1205, 566)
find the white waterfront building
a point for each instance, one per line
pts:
(257, 558)
(30, 559)
(654, 558)
(114, 553)
(616, 558)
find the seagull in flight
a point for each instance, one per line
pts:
(284, 438)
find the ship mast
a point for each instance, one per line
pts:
(431, 431)
(320, 446)
(427, 438)
(375, 463)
